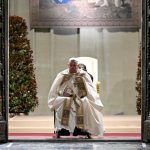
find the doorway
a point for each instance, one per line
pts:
(52, 49)
(117, 78)
(145, 62)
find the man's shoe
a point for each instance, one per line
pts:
(62, 132)
(77, 131)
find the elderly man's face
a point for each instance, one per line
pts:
(73, 66)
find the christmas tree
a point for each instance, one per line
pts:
(22, 83)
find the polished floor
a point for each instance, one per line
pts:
(75, 146)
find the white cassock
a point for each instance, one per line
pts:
(92, 105)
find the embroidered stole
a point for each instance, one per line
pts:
(66, 112)
(79, 84)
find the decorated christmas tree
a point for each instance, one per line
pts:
(138, 85)
(22, 83)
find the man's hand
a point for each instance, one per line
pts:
(66, 94)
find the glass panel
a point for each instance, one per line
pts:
(117, 78)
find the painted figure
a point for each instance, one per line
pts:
(117, 3)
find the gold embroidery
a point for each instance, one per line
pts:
(80, 117)
(66, 77)
(79, 83)
(66, 112)
(81, 88)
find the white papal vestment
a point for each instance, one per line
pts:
(92, 105)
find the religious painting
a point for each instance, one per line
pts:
(81, 13)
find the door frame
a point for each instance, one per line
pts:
(4, 71)
(145, 120)
(4, 61)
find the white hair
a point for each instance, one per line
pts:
(73, 59)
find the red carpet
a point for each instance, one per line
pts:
(52, 134)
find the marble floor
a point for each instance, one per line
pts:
(45, 124)
(19, 140)
(75, 146)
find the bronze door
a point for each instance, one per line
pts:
(146, 71)
(3, 71)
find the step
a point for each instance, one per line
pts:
(31, 130)
(45, 119)
(35, 123)
(122, 129)
(50, 123)
(45, 124)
